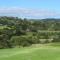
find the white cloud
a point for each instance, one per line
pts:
(28, 12)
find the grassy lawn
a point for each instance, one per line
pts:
(31, 53)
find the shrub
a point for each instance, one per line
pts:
(20, 41)
(24, 40)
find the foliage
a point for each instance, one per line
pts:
(25, 32)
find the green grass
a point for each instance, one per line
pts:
(31, 53)
(2, 27)
(57, 44)
(5, 26)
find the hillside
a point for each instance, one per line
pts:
(16, 31)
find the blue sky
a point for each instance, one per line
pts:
(30, 8)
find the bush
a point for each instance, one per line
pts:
(24, 40)
(20, 41)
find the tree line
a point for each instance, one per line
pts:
(25, 32)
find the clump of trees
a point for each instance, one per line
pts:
(24, 40)
(15, 31)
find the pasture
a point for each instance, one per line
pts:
(31, 53)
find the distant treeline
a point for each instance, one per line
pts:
(16, 31)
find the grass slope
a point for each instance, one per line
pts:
(31, 53)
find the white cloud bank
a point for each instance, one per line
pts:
(34, 13)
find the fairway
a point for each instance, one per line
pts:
(31, 53)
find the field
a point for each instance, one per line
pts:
(31, 53)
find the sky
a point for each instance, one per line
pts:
(30, 8)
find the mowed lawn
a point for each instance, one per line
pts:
(31, 53)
